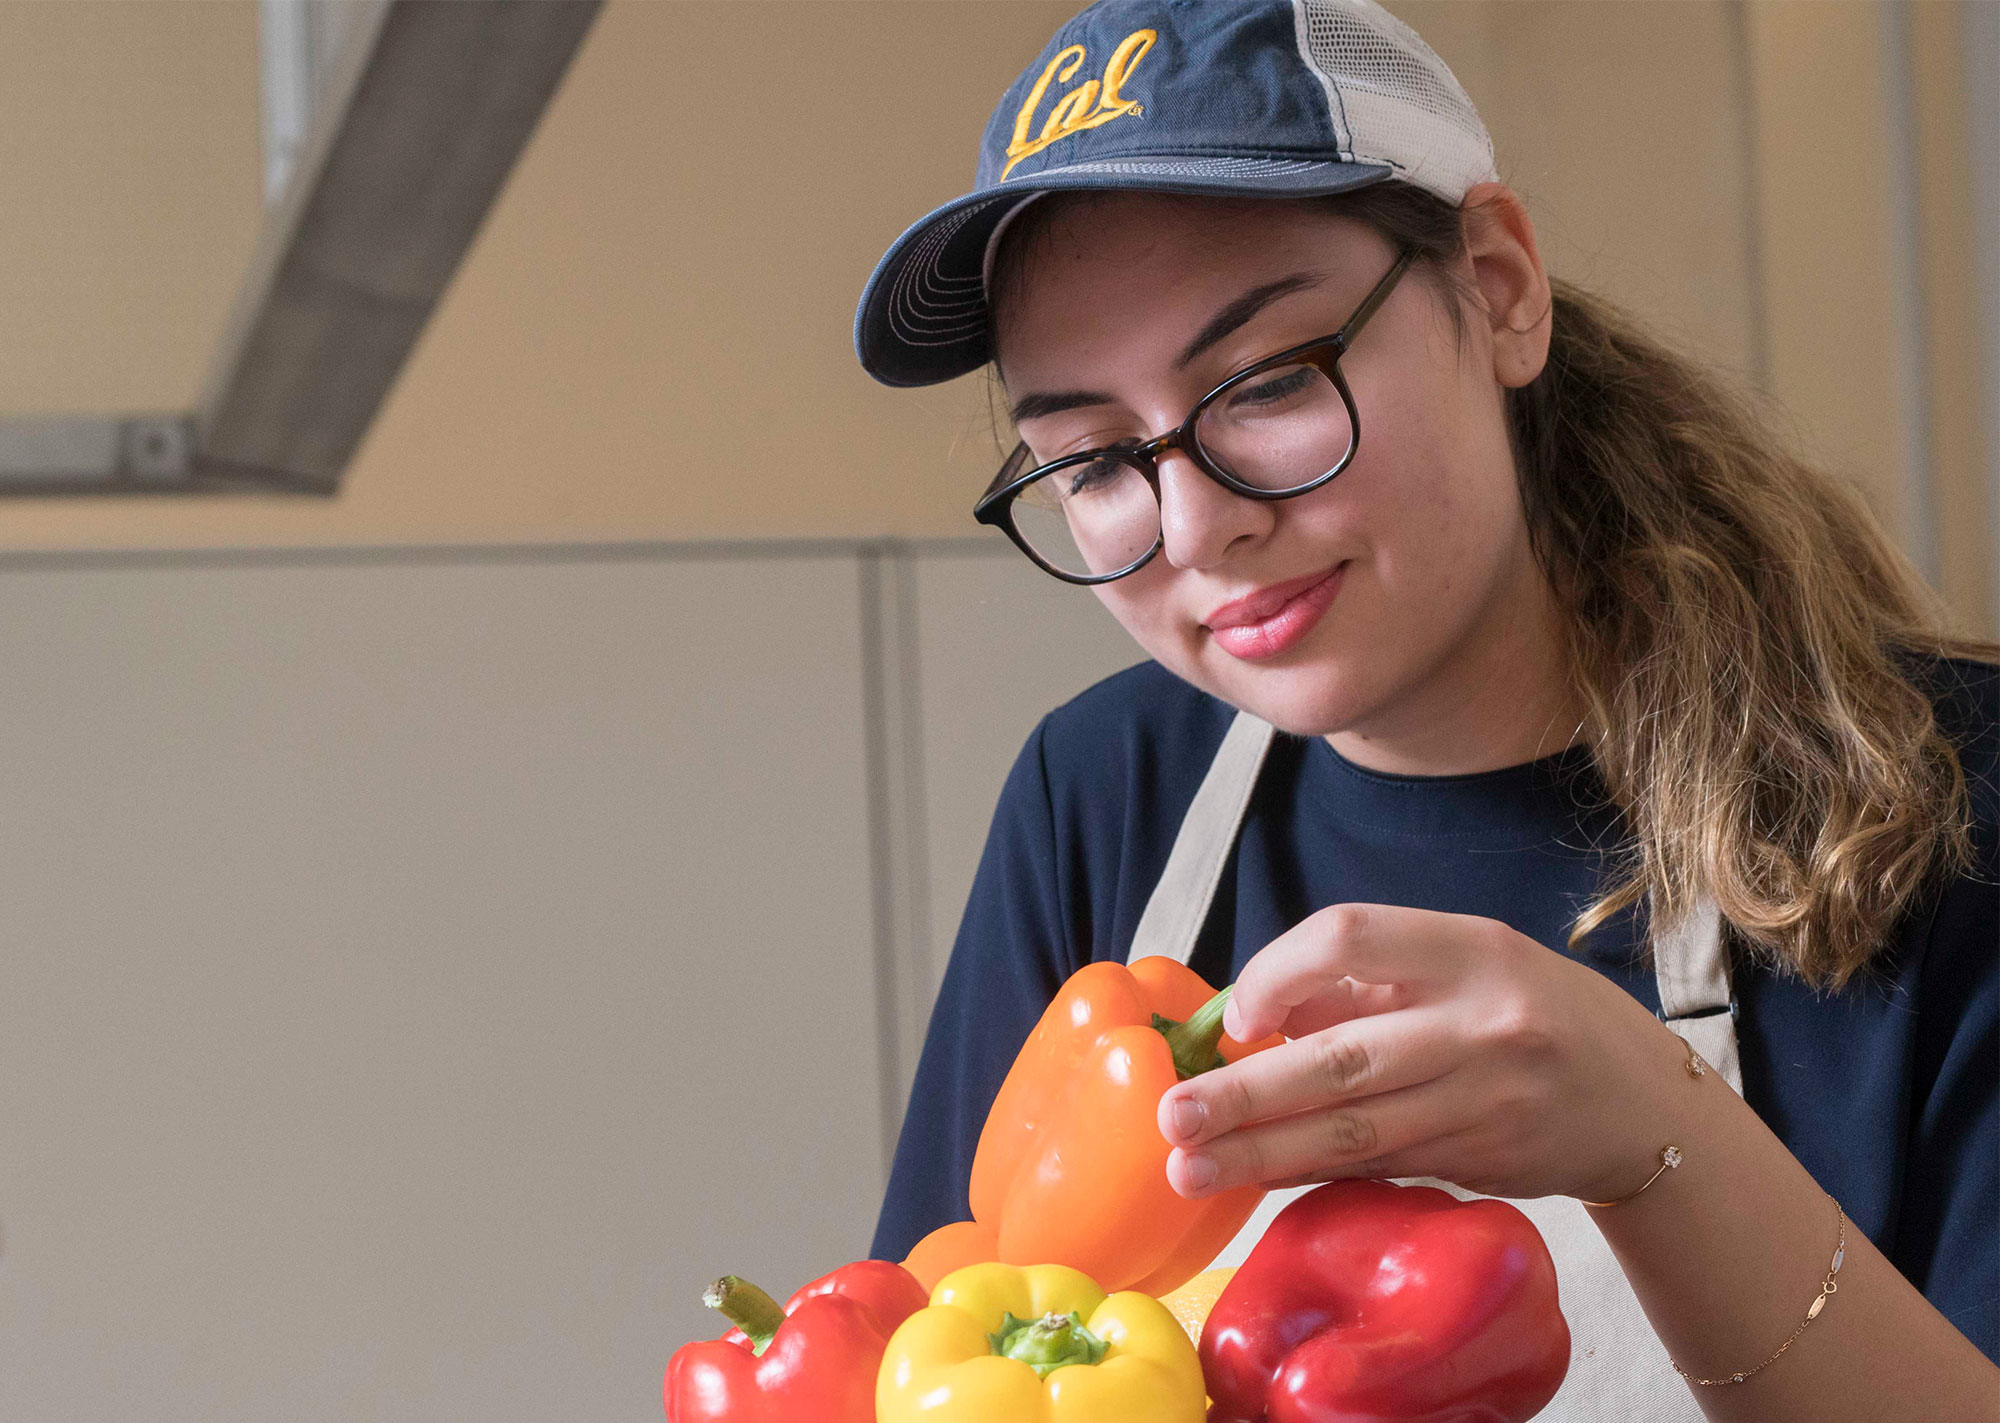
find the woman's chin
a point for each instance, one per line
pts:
(1300, 715)
(1313, 698)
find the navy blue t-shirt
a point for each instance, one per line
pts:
(1888, 1091)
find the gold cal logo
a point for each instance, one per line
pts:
(1091, 103)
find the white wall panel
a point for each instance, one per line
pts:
(420, 980)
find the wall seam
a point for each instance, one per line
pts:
(916, 969)
(1912, 324)
(876, 695)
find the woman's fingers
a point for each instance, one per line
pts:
(1372, 943)
(1363, 1138)
(1355, 1059)
(1349, 998)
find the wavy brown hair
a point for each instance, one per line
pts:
(1746, 637)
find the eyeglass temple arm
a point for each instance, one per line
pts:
(1345, 336)
(1008, 471)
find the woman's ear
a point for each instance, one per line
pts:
(1507, 269)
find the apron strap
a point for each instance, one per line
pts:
(1695, 997)
(1179, 907)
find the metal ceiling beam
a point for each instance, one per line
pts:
(419, 130)
(413, 134)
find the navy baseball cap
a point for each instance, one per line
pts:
(1228, 98)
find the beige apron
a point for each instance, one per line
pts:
(1618, 1367)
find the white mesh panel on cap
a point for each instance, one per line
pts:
(1393, 100)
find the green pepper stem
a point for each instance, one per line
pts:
(1055, 1341)
(746, 1307)
(1193, 1043)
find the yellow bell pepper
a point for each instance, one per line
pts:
(1038, 1344)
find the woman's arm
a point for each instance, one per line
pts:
(1429, 1044)
(1727, 1254)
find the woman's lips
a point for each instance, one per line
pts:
(1253, 630)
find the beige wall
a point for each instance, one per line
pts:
(1825, 236)
(1616, 123)
(655, 319)
(656, 315)
(128, 144)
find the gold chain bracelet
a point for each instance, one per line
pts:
(1828, 1287)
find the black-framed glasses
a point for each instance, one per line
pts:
(1276, 429)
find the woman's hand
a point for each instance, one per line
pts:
(1428, 1044)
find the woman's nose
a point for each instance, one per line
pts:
(1201, 523)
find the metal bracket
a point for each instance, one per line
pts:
(96, 454)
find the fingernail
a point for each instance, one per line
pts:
(1188, 1114)
(1198, 1171)
(1232, 1020)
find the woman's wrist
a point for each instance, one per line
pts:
(1671, 1154)
(1724, 1249)
(1648, 1087)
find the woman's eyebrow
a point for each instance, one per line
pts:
(1242, 309)
(1054, 402)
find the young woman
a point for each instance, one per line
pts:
(1620, 764)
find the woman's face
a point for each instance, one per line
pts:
(1372, 603)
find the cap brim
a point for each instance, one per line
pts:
(922, 317)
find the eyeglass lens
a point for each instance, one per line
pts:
(1280, 429)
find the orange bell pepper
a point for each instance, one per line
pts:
(1071, 1167)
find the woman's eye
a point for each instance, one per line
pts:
(1095, 475)
(1273, 389)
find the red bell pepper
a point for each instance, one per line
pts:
(1367, 1301)
(814, 1359)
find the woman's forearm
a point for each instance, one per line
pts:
(1727, 1254)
